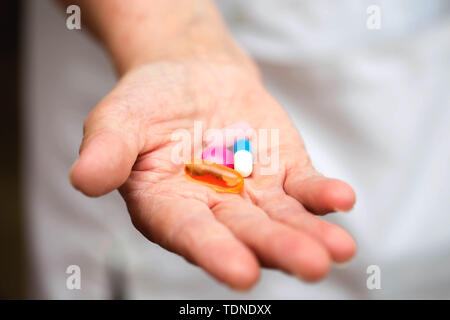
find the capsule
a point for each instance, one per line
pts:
(215, 176)
(243, 158)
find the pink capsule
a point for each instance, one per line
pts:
(219, 155)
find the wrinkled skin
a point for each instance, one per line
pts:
(273, 223)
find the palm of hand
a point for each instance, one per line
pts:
(228, 235)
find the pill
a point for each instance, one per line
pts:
(213, 175)
(243, 159)
(219, 155)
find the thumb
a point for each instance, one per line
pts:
(317, 193)
(108, 151)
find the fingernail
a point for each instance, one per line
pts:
(71, 170)
(337, 210)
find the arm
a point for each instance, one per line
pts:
(141, 31)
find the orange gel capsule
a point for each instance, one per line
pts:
(215, 176)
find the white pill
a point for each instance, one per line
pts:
(243, 158)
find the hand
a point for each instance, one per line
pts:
(127, 145)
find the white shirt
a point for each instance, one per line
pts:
(373, 107)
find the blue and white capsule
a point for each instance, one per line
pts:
(243, 158)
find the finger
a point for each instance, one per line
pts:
(339, 243)
(319, 194)
(108, 151)
(188, 228)
(275, 244)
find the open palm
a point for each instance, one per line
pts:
(127, 145)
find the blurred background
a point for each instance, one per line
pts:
(373, 107)
(12, 249)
